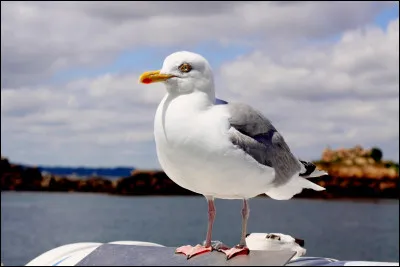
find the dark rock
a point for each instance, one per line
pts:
(347, 183)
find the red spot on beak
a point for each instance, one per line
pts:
(146, 80)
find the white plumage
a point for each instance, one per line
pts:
(228, 151)
(194, 150)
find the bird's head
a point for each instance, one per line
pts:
(183, 73)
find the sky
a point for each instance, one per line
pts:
(325, 74)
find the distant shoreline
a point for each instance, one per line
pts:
(353, 174)
(394, 201)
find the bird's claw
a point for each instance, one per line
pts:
(229, 252)
(191, 251)
(235, 251)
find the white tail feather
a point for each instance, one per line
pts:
(293, 187)
(317, 173)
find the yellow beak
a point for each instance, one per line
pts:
(153, 77)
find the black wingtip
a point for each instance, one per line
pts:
(310, 167)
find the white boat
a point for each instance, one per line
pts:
(265, 251)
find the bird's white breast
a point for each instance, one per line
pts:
(195, 152)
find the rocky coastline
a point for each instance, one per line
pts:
(353, 173)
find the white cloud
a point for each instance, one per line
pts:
(343, 94)
(41, 38)
(316, 94)
(110, 112)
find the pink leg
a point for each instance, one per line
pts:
(241, 248)
(191, 251)
(211, 217)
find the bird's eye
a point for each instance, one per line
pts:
(185, 67)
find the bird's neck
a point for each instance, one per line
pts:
(195, 101)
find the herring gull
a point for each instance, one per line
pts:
(220, 149)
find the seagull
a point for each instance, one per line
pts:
(220, 149)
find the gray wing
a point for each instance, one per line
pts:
(255, 134)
